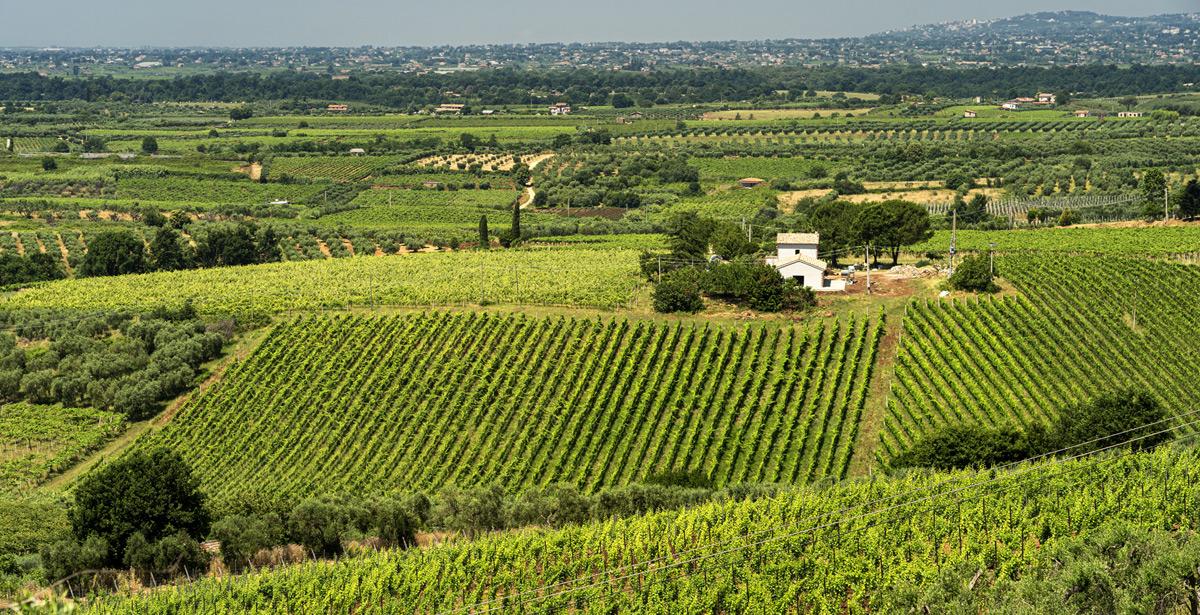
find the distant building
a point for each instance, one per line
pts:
(796, 259)
(357, 151)
(968, 113)
(1129, 114)
(1083, 113)
(751, 182)
(561, 108)
(488, 111)
(1011, 106)
(451, 108)
(340, 77)
(1046, 98)
(338, 108)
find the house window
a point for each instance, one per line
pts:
(797, 252)
(799, 279)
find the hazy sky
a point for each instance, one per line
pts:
(432, 22)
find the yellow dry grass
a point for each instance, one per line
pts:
(920, 196)
(778, 114)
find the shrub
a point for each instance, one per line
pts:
(152, 493)
(974, 274)
(678, 291)
(960, 446)
(114, 253)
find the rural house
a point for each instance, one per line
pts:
(561, 108)
(968, 113)
(1046, 98)
(1129, 114)
(450, 108)
(1083, 113)
(751, 182)
(337, 107)
(796, 259)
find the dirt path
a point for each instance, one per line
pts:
(875, 409)
(118, 445)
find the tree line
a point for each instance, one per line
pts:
(590, 86)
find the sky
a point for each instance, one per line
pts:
(268, 23)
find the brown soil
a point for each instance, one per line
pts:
(349, 246)
(875, 409)
(20, 244)
(324, 249)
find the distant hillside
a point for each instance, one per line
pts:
(1063, 37)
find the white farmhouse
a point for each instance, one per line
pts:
(796, 259)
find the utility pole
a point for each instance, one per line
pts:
(867, 262)
(953, 238)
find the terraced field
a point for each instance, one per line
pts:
(362, 404)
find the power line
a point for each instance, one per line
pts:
(807, 530)
(846, 509)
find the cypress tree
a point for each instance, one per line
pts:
(484, 237)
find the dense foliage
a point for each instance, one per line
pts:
(111, 361)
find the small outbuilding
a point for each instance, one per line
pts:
(751, 182)
(357, 151)
(796, 259)
(970, 114)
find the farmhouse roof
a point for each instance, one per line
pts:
(797, 238)
(800, 258)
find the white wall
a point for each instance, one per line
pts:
(789, 250)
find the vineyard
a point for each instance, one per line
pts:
(1083, 325)
(860, 546)
(596, 278)
(37, 442)
(526, 401)
(332, 168)
(1157, 240)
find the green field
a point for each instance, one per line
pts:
(878, 540)
(1082, 325)
(37, 442)
(1168, 240)
(525, 401)
(594, 278)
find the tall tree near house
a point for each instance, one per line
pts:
(484, 237)
(1152, 186)
(1189, 200)
(835, 222)
(910, 225)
